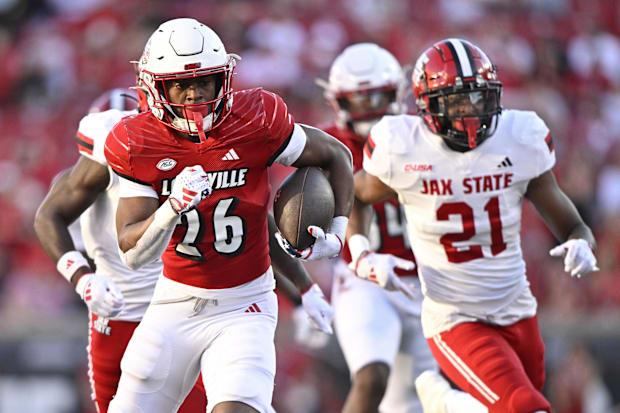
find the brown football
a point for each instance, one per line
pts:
(304, 198)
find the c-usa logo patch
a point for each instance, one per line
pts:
(166, 164)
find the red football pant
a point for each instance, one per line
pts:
(104, 368)
(502, 367)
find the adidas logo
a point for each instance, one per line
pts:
(231, 155)
(506, 162)
(253, 309)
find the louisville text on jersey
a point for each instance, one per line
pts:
(229, 178)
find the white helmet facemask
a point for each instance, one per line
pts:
(197, 118)
(186, 49)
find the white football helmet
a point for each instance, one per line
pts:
(181, 49)
(365, 83)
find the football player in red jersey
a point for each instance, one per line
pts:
(194, 187)
(115, 295)
(365, 83)
(462, 169)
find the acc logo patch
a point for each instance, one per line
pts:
(166, 164)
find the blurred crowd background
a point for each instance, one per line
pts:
(560, 58)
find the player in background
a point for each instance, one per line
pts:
(461, 169)
(365, 83)
(115, 295)
(200, 158)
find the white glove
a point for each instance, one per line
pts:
(318, 309)
(101, 294)
(578, 257)
(326, 245)
(379, 268)
(305, 331)
(190, 186)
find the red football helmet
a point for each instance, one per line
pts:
(457, 93)
(121, 99)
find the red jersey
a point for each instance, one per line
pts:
(388, 234)
(223, 242)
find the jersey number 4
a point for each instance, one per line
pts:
(229, 231)
(469, 230)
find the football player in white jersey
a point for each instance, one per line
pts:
(116, 296)
(366, 82)
(461, 168)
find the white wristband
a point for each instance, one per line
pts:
(358, 243)
(339, 227)
(70, 261)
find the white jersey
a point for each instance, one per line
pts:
(464, 211)
(99, 223)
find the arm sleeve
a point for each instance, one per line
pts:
(130, 189)
(294, 147)
(155, 239)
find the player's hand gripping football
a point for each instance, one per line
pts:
(317, 309)
(379, 268)
(190, 187)
(578, 257)
(101, 294)
(326, 245)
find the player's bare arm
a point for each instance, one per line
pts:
(284, 265)
(74, 191)
(561, 216)
(326, 152)
(378, 268)
(368, 190)
(557, 209)
(133, 217)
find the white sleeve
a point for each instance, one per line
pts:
(130, 189)
(537, 142)
(377, 154)
(155, 239)
(295, 147)
(93, 131)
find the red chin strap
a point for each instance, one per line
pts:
(197, 114)
(471, 126)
